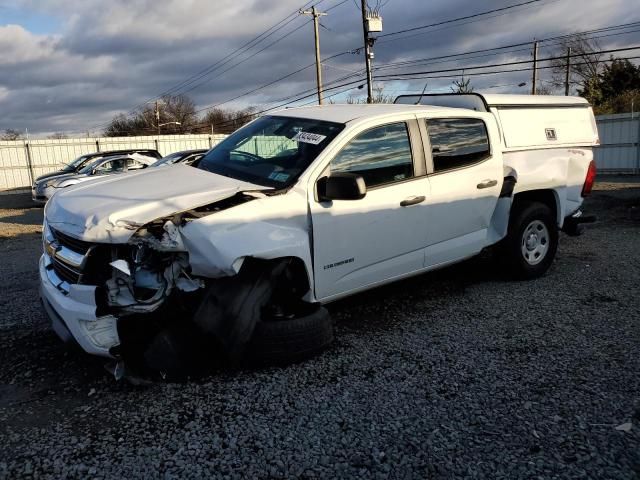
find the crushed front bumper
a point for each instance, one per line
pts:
(72, 310)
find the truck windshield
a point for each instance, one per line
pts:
(271, 151)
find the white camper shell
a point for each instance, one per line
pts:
(525, 121)
(309, 205)
(543, 138)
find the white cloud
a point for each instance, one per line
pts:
(110, 55)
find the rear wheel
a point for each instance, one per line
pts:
(531, 242)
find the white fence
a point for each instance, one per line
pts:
(22, 161)
(619, 143)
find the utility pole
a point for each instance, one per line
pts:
(158, 117)
(568, 73)
(316, 15)
(367, 52)
(534, 80)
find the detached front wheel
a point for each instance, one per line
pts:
(531, 242)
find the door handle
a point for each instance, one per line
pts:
(487, 184)
(412, 201)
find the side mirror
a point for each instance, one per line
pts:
(341, 186)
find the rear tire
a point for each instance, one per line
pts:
(532, 241)
(292, 340)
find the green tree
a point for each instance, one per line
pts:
(618, 77)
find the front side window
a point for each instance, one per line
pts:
(169, 159)
(272, 151)
(113, 166)
(79, 162)
(457, 142)
(380, 155)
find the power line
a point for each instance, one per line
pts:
(218, 64)
(444, 57)
(242, 49)
(224, 60)
(444, 22)
(388, 66)
(296, 97)
(467, 68)
(555, 40)
(426, 75)
(264, 48)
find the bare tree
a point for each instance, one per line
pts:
(180, 109)
(10, 134)
(141, 123)
(219, 120)
(586, 65)
(378, 97)
(462, 86)
(544, 90)
(178, 112)
(58, 136)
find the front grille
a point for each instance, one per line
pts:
(65, 272)
(74, 244)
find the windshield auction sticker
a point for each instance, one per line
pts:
(306, 137)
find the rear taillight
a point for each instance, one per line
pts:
(591, 178)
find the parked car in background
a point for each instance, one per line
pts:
(96, 168)
(81, 162)
(186, 157)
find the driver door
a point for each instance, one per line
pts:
(358, 243)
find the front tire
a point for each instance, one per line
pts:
(278, 342)
(532, 241)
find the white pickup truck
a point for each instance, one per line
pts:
(303, 207)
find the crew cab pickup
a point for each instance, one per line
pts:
(306, 206)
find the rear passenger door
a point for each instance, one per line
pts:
(465, 178)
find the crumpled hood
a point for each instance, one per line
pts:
(110, 210)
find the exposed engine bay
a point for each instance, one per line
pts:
(157, 264)
(171, 322)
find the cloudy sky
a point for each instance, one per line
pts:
(71, 65)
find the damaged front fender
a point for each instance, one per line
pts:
(218, 244)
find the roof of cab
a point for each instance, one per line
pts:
(347, 113)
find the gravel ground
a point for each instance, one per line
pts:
(457, 373)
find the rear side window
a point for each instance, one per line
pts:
(457, 142)
(380, 155)
(111, 167)
(133, 164)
